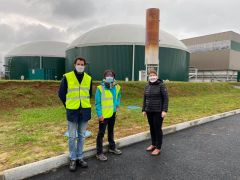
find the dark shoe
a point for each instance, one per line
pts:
(101, 157)
(73, 165)
(115, 151)
(82, 163)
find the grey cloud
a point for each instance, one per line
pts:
(6, 33)
(182, 18)
(70, 9)
(73, 8)
(39, 32)
(10, 6)
(55, 12)
(198, 18)
(11, 37)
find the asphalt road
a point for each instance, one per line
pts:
(210, 151)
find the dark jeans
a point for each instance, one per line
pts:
(155, 122)
(108, 122)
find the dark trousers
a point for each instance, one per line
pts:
(155, 121)
(108, 122)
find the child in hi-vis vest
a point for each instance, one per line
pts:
(107, 101)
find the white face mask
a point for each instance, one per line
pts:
(109, 79)
(153, 78)
(79, 68)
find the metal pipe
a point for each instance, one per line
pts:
(152, 40)
(133, 62)
(40, 62)
(152, 36)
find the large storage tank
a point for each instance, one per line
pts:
(43, 60)
(121, 47)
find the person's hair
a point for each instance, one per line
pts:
(152, 71)
(107, 71)
(80, 59)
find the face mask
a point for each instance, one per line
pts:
(153, 79)
(109, 79)
(79, 68)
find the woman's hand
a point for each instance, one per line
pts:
(144, 113)
(164, 114)
(101, 118)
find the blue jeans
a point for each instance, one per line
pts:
(76, 141)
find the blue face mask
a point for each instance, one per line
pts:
(109, 79)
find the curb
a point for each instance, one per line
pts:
(46, 165)
(2, 177)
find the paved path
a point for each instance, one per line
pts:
(210, 151)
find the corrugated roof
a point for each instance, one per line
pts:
(40, 48)
(123, 34)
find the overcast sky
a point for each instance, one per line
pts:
(64, 20)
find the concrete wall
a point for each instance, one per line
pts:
(212, 60)
(234, 63)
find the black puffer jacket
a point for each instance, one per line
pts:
(155, 97)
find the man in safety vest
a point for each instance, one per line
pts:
(75, 92)
(107, 103)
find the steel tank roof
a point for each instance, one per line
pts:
(39, 48)
(123, 34)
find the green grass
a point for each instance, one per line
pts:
(32, 127)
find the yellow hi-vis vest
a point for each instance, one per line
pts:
(107, 100)
(78, 94)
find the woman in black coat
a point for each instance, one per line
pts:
(155, 107)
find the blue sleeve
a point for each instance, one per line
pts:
(119, 99)
(98, 103)
(62, 92)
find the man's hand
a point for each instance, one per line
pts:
(164, 114)
(144, 113)
(101, 118)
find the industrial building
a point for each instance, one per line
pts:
(121, 47)
(214, 57)
(41, 60)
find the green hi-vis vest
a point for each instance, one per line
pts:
(107, 100)
(78, 93)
